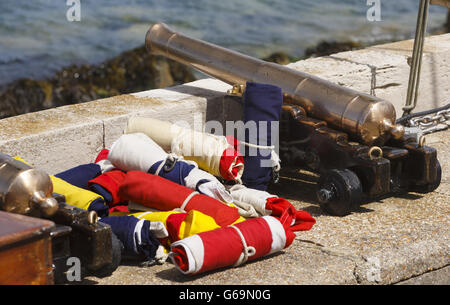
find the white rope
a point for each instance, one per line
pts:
(259, 146)
(137, 233)
(247, 250)
(276, 159)
(160, 167)
(143, 214)
(185, 202)
(176, 142)
(273, 155)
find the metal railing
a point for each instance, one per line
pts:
(416, 63)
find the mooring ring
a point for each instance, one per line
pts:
(92, 217)
(375, 153)
(421, 141)
(169, 165)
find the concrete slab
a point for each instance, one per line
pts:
(383, 71)
(437, 277)
(384, 242)
(61, 138)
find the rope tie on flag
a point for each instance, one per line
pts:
(273, 155)
(186, 201)
(141, 216)
(182, 147)
(208, 150)
(247, 250)
(177, 143)
(168, 164)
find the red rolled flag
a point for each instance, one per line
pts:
(102, 155)
(102, 160)
(164, 195)
(296, 220)
(230, 246)
(107, 185)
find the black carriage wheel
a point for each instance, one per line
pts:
(339, 192)
(428, 188)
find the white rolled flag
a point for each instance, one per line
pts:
(214, 154)
(138, 152)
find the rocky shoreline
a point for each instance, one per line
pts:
(132, 71)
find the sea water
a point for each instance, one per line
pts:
(38, 37)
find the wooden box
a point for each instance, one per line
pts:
(25, 250)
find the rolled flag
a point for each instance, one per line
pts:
(256, 203)
(122, 208)
(250, 202)
(218, 155)
(164, 195)
(81, 198)
(285, 212)
(154, 215)
(102, 161)
(80, 175)
(107, 185)
(180, 225)
(138, 152)
(262, 109)
(76, 196)
(230, 246)
(139, 236)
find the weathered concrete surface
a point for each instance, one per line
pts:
(383, 71)
(399, 236)
(385, 242)
(437, 277)
(60, 138)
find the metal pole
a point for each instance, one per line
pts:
(416, 64)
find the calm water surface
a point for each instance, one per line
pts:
(36, 39)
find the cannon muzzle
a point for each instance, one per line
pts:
(24, 188)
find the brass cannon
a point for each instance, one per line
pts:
(348, 137)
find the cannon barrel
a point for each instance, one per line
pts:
(444, 3)
(366, 118)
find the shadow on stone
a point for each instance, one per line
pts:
(175, 275)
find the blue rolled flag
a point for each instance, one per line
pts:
(262, 105)
(135, 235)
(175, 172)
(80, 175)
(99, 206)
